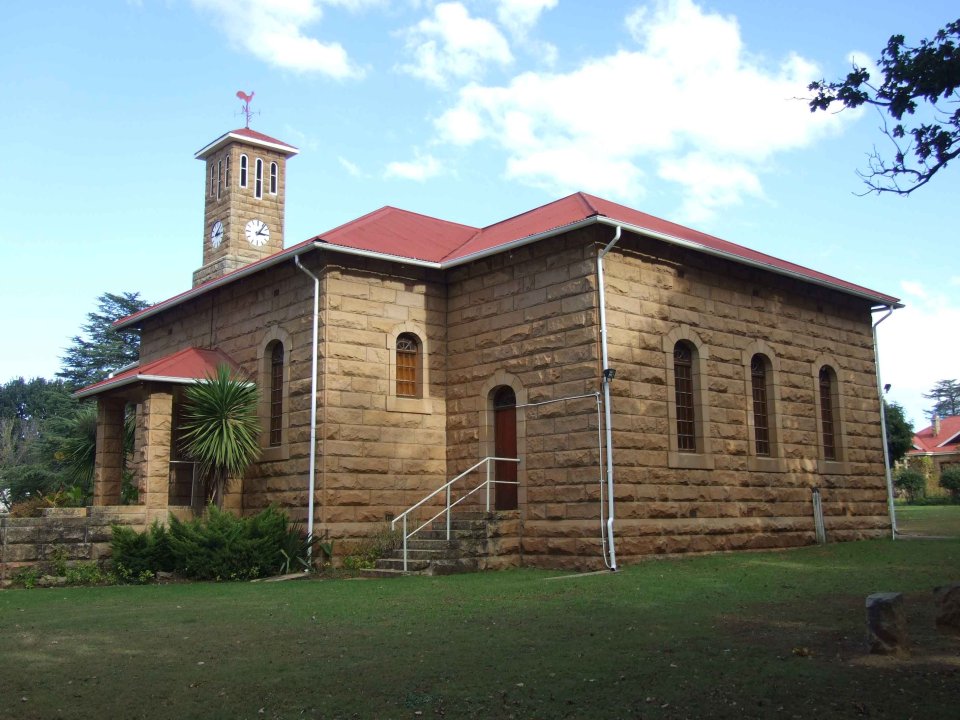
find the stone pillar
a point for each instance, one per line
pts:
(108, 471)
(157, 427)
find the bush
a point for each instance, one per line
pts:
(950, 480)
(367, 551)
(219, 546)
(911, 483)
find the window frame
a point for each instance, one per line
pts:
(243, 170)
(258, 179)
(270, 450)
(835, 403)
(774, 461)
(274, 178)
(421, 401)
(701, 455)
(277, 362)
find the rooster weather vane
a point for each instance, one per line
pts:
(247, 113)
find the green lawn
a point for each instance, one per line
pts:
(941, 520)
(776, 635)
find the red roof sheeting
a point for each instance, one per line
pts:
(946, 441)
(257, 138)
(399, 235)
(185, 366)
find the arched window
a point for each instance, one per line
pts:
(683, 363)
(219, 177)
(243, 171)
(828, 431)
(408, 364)
(226, 169)
(274, 170)
(759, 379)
(213, 179)
(276, 394)
(258, 181)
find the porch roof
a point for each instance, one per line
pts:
(183, 367)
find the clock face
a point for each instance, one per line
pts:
(216, 234)
(257, 233)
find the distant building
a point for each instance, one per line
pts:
(940, 442)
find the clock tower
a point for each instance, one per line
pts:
(243, 187)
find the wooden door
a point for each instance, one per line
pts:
(505, 446)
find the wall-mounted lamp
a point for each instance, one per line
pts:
(886, 388)
(609, 374)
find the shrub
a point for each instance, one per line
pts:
(950, 480)
(912, 483)
(366, 552)
(219, 546)
(137, 557)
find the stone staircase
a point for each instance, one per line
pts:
(430, 553)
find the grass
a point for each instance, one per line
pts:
(938, 520)
(777, 634)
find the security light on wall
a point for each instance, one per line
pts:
(609, 374)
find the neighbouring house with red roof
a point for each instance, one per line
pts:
(645, 388)
(941, 444)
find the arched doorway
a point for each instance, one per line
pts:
(505, 446)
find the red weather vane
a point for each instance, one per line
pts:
(246, 104)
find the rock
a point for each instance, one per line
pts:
(51, 581)
(946, 600)
(886, 624)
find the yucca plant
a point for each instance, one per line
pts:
(221, 429)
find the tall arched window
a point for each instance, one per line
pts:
(683, 357)
(243, 171)
(759, 379)
(226, 169)
(219, 177)
(408, 364)
(828, 432)
(258, 179)
(213, 179)
(276, 395)
(274, 170)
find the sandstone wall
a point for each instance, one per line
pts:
(653, 289)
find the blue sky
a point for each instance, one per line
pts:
(471, 111)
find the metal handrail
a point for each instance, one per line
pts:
(449, 505)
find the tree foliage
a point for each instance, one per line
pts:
(923, 78)
(100, 349)
(950, 480)
(899, 432)
(221, 429)
(946, 397)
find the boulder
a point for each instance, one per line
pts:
(946, 600)
(886, 624)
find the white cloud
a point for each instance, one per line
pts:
(689, 105)
(273, 30)
(352, 168)
(518, 16)
(453, 45)
(919, 345)
(422, 168)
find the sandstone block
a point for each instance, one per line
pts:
(947, 604)
(886, 624)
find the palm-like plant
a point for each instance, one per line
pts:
(221, 429)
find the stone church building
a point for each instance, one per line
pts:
(659, 388)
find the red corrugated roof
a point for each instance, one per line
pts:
(400, 234)
(257, 138)
(948, 437)
(184, 366)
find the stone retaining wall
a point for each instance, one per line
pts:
(82, 533)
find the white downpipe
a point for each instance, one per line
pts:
(313, 402)
(883, 428)
(606, 396)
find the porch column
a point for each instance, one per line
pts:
(108, 470)
(157, 428)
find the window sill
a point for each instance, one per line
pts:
(274, 454)
(409, 405)
(766, 464)
(833, 467)
(690, 461)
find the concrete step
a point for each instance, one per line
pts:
(397, 564)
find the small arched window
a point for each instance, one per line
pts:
(258, 180)
(213, 179)
(226, 169)
(759, 378)
(828, 431)
(243, 171)
(274, 171)
(276, 394)
(408, 364)
(219, 177)
(683, 364)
